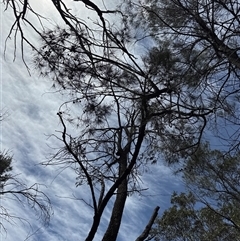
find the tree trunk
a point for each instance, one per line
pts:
(117, 211)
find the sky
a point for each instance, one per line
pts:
(31, 107)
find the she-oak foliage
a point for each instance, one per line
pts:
(134, 109)
(5, 168)
(14, 188)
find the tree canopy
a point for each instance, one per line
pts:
(209, 210)
(204, 35)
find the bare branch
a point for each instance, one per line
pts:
(147, 229)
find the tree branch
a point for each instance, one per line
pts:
(148, 228)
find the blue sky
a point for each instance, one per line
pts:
(32, 106)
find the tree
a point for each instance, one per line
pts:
(143, 105)
(130, 110)
(5, 167)
(209, 210)
(205, 37)
(12, 187)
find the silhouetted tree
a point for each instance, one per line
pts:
(204, 36)
(12, 187)
(126, 114)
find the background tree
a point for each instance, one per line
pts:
(5, 168)
(204, 35)
(12, 187)
(209, 210)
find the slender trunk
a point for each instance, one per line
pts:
(117, 211)
(115, 221)
(116, 185)
(92, 232)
